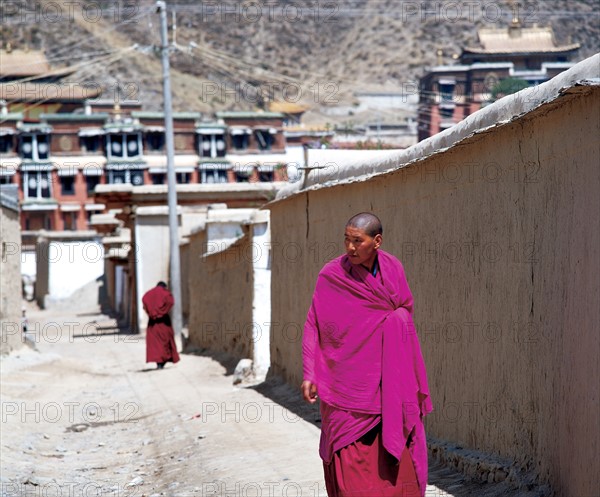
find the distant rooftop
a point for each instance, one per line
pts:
(19, 63)
(161, 115)
(249, 115)
(516, 39)
(287, 107)
(73, 116)
(23, 63)
(31, 92)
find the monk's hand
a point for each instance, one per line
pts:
(309, 391)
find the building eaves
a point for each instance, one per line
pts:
(71, 116)
(249, 115)
(211, 125)
(161, 115)
(11, 116)
(521, 51)
(34, 128)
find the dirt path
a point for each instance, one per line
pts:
(85, 416)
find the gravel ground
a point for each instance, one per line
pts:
(84, 415)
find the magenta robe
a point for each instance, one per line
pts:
(160, 340)
(361, 349)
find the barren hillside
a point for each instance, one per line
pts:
(234, 54)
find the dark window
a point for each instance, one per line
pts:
(36, 184)
(43, 146)
(117, 177)
(242, 176)
(133, 176)
(6, 179)
(446, 112)
(67, 185)
(241, 141)
(123, 145)
(184, 177)
(212, 146)
(155, 140)
(90, 143)
(447, 91)
(158, 178)
(91, 182)
(137, 178)
(221, 147)
(116, 146)
(6, 143)
(265, 176)
(214, 176)
(132, 145)
(26, 147)
(264, 139)
(69, 221)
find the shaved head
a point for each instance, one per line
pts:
(367, 222)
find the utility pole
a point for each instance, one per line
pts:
(174, 266)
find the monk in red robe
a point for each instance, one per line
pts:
(160, 339)
(361, 356)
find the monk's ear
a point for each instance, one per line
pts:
(378, 240)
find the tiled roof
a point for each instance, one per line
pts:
(516, 39)
(249, 115)
(161, 115)
(287, 107)
(66, 116)
(23, 63)
(32, 92)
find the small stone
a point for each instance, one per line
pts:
(138, 480)
(243, 371)
(37, 481)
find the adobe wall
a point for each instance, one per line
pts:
(499, 238)
(10, 280)
(220, 286)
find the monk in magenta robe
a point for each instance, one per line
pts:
(362, 357)
(160, 339)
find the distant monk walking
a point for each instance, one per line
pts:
(363, 359)
(160, 340)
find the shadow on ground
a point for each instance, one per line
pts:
(225, 360)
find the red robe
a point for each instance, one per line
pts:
(361, 350)
(160, 340)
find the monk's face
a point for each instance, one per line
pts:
(360, 247)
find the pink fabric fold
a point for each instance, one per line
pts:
(361, 349)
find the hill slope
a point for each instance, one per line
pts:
(234, 55)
